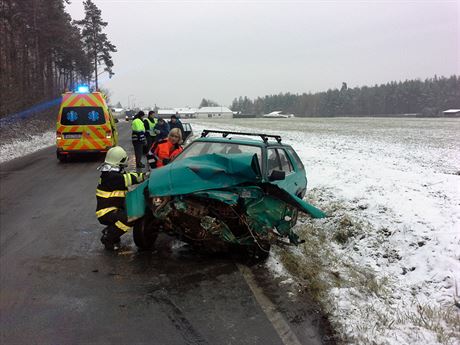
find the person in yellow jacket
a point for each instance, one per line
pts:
(110, 194)
(138, 138)
(149, 124)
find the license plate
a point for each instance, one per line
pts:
(72, 135)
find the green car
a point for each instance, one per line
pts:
(226, 192)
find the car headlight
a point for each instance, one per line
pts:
(157, 201)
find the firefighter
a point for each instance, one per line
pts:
(138, 138)
(110, 193)
(164, 151)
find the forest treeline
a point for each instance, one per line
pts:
(41, 53)
(429, 97)
(44, 52)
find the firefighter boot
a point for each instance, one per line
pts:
(111, 238)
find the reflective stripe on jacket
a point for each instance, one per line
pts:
(150, 126)
(112, 189)
(138, 130)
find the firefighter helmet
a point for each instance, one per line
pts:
(116, 156)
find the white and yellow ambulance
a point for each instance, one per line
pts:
(85, 124)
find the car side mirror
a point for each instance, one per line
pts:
(116, 120)
(277, 175)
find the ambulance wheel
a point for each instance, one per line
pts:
(62, 158)
(145, 231)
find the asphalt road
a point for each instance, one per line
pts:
(58, 285)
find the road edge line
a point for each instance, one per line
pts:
(280, 325)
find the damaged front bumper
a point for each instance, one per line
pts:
(219, 204)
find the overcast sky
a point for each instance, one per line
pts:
(174, 53)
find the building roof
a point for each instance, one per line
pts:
(214, 110)
(166, 111)
(186, 110)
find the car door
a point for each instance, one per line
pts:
(290, 182)
(278, 160)
(300, 172)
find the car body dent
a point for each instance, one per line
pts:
(233, 185)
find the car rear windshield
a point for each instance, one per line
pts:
(204, 148)
(76, 116)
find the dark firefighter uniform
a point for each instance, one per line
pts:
(110, 193)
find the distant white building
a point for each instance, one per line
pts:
(186, 112)
(278, 114)
(214, 112)
(166, 113)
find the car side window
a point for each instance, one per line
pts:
(286, 164)
(232, 149)
(273, 162)
(296, 158)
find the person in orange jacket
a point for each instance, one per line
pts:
(164, 151)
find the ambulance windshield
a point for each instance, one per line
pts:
(77, 116)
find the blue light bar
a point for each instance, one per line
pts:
(83, 89)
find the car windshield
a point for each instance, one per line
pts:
(77, 116)
(203, 148)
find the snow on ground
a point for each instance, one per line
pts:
(396, 183)
(21, 147)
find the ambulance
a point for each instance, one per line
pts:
(85, 124)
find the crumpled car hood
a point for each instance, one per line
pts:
(213, 176)
(213, 171)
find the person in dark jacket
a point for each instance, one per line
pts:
(161, 129)
(176, 123)
(110, 194)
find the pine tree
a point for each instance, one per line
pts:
(95, 42)
(208, 103)
(40, 53)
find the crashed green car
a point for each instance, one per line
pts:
(222, 193)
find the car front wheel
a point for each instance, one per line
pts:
(145, 231)
(258, 251)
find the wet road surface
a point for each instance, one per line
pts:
(58, 286)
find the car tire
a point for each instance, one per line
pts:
(145, 231)
(259, 252)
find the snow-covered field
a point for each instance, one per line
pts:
(389, 254)
(392, 242)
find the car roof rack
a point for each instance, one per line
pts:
(226, 133)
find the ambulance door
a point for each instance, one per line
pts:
(114, 129)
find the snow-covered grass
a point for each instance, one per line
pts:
(14, 148)
(385, 264)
